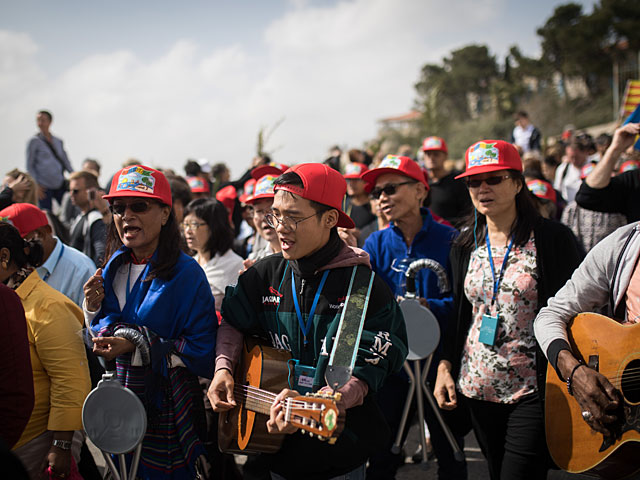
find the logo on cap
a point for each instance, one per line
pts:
(136, 179)
(353, 169)
(195, 182)
(265, 186)
(390, 161)
(6, 220)
(433, 142)
(538, 188)
(484, 154)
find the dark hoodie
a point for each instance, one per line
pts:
(261, 304)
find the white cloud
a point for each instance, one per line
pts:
(332, 71)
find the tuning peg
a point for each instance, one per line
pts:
(311, 434)
(332, 440)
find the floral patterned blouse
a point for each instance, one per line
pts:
(506, 371)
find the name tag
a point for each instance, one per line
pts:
(303, 380)
(488, 329)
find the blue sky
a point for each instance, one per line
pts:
(164, 81)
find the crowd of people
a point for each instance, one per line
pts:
(167, 274)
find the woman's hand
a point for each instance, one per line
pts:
(220, 391)
(112, 347)
(59, 461)
(445, 388)
(277, 422)
(94, 291)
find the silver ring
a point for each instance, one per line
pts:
(587, 415)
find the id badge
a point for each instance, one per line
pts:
(488, 329)
(303, 378)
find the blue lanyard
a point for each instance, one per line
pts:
(496, 282)
(56, 264)
(305, 327)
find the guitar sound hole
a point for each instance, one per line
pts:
(630, 384)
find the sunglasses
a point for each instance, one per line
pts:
(388, 189)
(497, 180)
(136, 207)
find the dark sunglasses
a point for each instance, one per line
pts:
(388, 189)
(489, 181)
(136, 207)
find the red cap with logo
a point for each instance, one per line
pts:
(398, 165)
(264, 189)
(542, 189)
(321, 184)
(434, 144)
(274, 169)
(629, 165)
(491, 156)
(25, 217)
(140, 181)
(247, 190)
(586, 169)
(198, 185)
(355, 170)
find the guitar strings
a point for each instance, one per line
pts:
(252, 393)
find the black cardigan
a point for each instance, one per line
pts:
(557, 256)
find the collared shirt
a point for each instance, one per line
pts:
(67, 270)
(42, 164)
(58, 360)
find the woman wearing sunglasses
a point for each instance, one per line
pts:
(506, 263)
(208, 232)
(152, 311)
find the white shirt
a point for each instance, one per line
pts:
(521, 136)
(222, 271)
(567, 181)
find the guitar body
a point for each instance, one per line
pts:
(614, 350)
(242, 430)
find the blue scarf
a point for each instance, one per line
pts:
(179, 313)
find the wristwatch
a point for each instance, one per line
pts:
(62, 444)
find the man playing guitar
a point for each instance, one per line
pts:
(294, 299)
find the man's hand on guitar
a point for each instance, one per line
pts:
(593, 392)
(220, 391)
(277, 422)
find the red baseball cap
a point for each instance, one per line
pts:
(274, 169)
(227, 196)
(247, 190)
(491, 156)
(434, 144)
(629, 165)
(542, 189)
(321, 184)
(399, 165)
(198, 185)
(25, 217)
(355, 170)
(140, 181)
(586, 169)
(264, 189)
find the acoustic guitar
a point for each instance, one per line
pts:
(614, 350)
(261, 375)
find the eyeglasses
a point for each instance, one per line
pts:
(76, 191)
(497, 180)
(136, 207)
(287, 222)
(388, 189)
(192, 225)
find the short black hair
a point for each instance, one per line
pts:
(216, 216)
(179, 189)
(46, 113)
(192, 168)
(292, 178)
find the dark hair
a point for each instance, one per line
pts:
(90, 180)
(95, 163)
(23, 253)
(47, 114)
(179, 189)
(170, 244)
(551, 160)
(292, 178)
(522, 114)
(527, 216)
(192, 168)
(216, 216)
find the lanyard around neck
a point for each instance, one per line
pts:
(497, 281)
(305, 327)
(55, 264)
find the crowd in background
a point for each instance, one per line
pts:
(73, 240)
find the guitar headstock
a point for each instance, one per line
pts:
(316, 414)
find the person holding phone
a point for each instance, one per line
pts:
(88, 230)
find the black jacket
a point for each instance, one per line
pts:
(622, 195)
(557, 256)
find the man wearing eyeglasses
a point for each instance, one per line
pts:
(294, 299)
(401, 186)
(88, 231)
